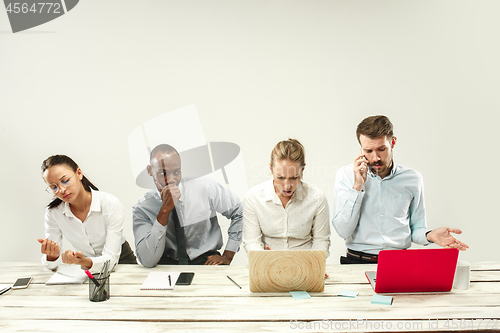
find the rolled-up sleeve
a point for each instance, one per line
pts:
(149, 238)
(54, 233)
(347, 204)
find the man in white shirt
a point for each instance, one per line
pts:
(379, 204)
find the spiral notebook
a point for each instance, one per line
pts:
(160, 281)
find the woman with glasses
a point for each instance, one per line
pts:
(91, 220)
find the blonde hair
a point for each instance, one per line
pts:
(290, 149)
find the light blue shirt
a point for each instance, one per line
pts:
(387, 214)
(201, 199)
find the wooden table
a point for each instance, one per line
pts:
(213, 304)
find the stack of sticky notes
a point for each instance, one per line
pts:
(300, 294)
(384, 300)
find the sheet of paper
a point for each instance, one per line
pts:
(68, 274)
(300, 294)
(159, 281)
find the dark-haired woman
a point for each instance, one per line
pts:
(91, 220)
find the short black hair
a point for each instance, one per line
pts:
(165, 148)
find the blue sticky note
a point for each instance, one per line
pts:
(300, 294)
(384, 300)
(351, 294)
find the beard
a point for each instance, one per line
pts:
(383, 166)
(382, 169)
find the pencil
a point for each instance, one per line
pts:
(237, 285)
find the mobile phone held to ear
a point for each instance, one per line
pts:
(22, 282)
(185, 279)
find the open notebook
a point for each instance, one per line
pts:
(160, 281)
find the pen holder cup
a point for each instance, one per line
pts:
(99, 292)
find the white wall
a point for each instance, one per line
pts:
(258, 72)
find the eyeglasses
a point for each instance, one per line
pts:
(53, 188)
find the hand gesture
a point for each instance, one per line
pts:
(442, 237)
(170, 194)
(71, 257)
(50, 248)
(360, 168)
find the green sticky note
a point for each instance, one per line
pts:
(351, 294)
(300, 294)
(384, 300)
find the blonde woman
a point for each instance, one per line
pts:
(284, 212)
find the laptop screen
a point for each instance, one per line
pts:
(420, 270)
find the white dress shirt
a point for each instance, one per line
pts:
(302, 224)
(99, 237)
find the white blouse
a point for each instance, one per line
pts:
(302, 224)
(99, 237)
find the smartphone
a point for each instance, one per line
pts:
(22, 282)
(185, 279)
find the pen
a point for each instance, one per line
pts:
(4, 291)
(169, 281)
(64, 274)
(101, 274)
(92, 278)
(101, 291)
(237, 285)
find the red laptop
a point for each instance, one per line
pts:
(420, 270)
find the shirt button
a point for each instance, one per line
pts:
(381, 215)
